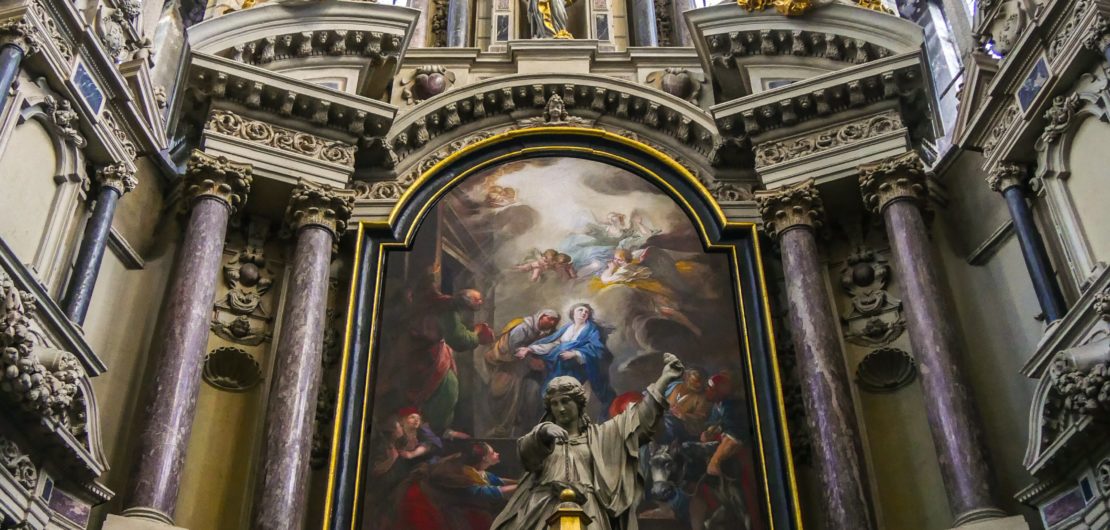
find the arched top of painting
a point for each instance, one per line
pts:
(655, 169)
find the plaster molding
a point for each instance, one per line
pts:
(796, 206)
(293, 141)
(218, 178)
(897, 178)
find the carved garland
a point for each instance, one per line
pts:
(254, 131)
(50, 392)
(785, 150)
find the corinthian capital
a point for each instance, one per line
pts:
(897, 178)
(326, 207)
(789, 207)
(119, 177)
(19, 32)
(218, 178)
(1005, 176)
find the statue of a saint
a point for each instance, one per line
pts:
(548, 18)
(597, 461)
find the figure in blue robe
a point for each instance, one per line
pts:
(577, 350)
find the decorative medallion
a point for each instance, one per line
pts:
(875, 317)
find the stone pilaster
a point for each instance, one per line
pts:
(317, 216)
(793, 215)
(214, 188)
(896, 188)
(113, 180)
(1008, 179)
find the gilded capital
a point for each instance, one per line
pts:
(897, 178)
(798, 205)
(328, 208)
(1005, 176)
(119, 177)
(216, 177)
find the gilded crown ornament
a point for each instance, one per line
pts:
(217, 177)
(798, 205)
(896, 178)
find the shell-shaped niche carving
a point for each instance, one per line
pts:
(231, 369)
(886, 370)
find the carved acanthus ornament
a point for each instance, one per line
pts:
(898, 178)
(120, 134)
(797, 147)
(119, 177)
(18, 464)
(1081, 377)
(1005, 176)
(797, 205)
(317, 206)
(259, 132)
(218, 178)
(23, 31)
(1005, 121)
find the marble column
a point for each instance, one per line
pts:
(14, 43)
(896, 188)
(213, 189)
(458, 23)
(792, 215)
(1007, 180)
(317, 217)
(114, 180)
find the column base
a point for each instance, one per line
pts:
(123, 522)
(1013, 522)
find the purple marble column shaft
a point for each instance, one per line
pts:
(838, 452)
(213, 187)
(281, 494)
(180, 358)
(317, 216)
(953, 420)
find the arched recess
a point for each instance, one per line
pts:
(738, 241)
(1086, 104)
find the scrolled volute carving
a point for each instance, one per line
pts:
(897, 178)
(216, 177)
(798, 205)
(1059, 117)
(319, 206)
(259, 132)
(119, 177)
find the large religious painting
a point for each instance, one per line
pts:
(545, 278)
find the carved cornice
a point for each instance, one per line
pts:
(287, 98)
(316, 206)
(727, 48)
(262, 133)
(795, 206)
(770, 153)
(588, 97)
(376, 46)
(120, 177)
(218, 178)
(1005, 176)
(897, 178)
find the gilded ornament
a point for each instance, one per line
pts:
(790, 8)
